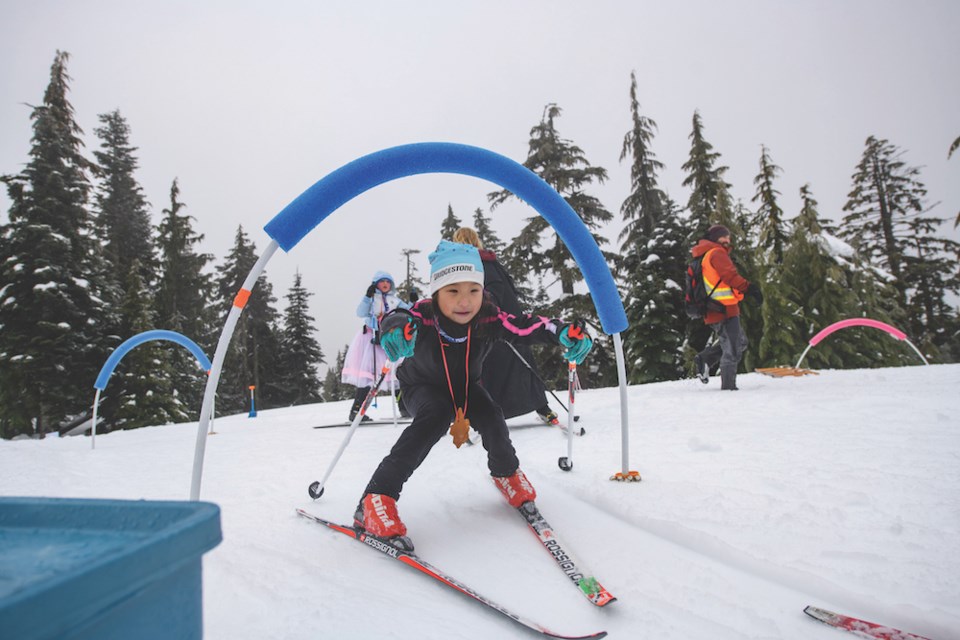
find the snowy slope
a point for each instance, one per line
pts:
(840, 490)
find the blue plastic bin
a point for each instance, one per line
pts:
(105, 569)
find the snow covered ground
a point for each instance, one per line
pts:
(840, 490)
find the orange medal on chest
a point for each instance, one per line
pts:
(460, 427)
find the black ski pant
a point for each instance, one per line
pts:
(433, 412)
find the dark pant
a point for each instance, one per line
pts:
(432, 411)
(732, 343)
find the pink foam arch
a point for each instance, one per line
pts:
(858, 322)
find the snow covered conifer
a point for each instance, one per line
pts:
(185, 300)
(141, 392)
(653, 259)
(252, 356)
(563, 166)
(52, 312)
(300, 354)
(123, 220)
(887, 223)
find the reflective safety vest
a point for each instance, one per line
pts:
(722, 292)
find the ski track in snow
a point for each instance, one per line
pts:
(840, 490)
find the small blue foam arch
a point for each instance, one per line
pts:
(158, 334)
(311, 207)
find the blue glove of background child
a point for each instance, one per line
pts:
(577, 342)
(399, 341)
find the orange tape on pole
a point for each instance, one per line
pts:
(242, 297)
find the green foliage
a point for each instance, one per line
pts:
(53, 314)
(643, 209)
(333, 388)
(886, 222)
(653, 263)
(252, 356)
(123, 222)
(489, 238)
(709, 202)
(300, 354)
(564, 166)
(449, 225)
(141, 390)
(772, 234)
(184, 293)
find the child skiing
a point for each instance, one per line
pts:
(365, 357)
(444, 340)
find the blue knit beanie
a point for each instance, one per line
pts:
(454, 262)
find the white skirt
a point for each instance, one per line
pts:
(362, 364)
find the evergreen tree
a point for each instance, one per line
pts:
(412, 283)
(141, 392)
(886, 223)
(300, 353)
(489, 238)
(886, 195)
(779, 314)
(646, 203)
(953, 147)
(449, 225)
(818, 284)
(931, 269)
(185, 298)
(333, 388)
(710, 202)
(252, 356)
(563, 166)
(123, 222)
(654, 259)
(52, 292)
(772, 234)
(653, 301)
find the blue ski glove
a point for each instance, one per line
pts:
(577, 342)
(400, 341)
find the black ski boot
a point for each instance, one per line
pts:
(357, 403)
(703, 369)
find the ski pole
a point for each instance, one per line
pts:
(537, 376)
(316, 488)
(566, 463)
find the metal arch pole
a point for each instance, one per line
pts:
(917, 350)
(802, 355)
(214, 378)
(93, 427)
(624, 419)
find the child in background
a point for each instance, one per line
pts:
(444, 340)
(365, 357)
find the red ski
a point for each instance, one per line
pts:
(859, 627)
(415, 562)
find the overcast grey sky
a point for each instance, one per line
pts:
(250, 103)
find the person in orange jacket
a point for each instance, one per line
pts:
(726, 288)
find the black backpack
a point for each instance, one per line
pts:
(695, 296)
